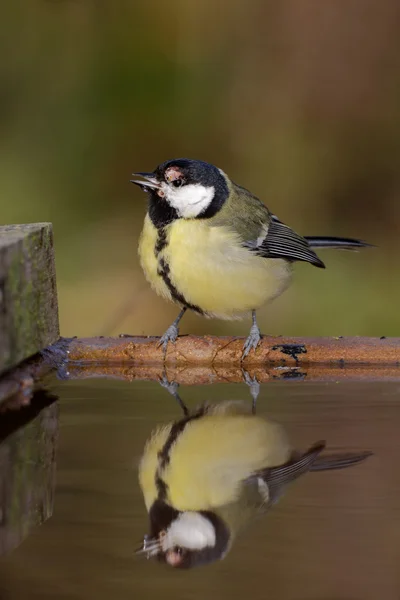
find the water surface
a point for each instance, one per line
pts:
(333, 536)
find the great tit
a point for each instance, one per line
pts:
(213, 247)
(207, 475)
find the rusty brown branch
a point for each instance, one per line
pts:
(215, 352)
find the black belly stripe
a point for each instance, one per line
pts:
(163, 271)
(164, 454)
(162, 488)
(161, 241)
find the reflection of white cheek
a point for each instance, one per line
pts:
(191, 531)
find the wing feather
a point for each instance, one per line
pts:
(260, 231)
(282, 242)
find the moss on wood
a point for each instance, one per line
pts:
(28, 296)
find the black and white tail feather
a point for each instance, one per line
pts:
(335, 242)
(277, 478)
(280, 241)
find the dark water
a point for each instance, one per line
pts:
(333, 536)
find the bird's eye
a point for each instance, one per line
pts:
(177, 183)
(178, 550)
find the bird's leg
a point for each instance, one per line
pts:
(172, 388)
(172, 332)
(169, 336)
(254, 336)
(254, 388)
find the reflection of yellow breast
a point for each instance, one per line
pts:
(211, 269)
(149, 464)
(214, 454)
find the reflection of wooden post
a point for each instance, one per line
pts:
(27, 478)
(28, 297)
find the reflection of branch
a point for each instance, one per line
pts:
(16, 386)
(193, 375)
(11, 420)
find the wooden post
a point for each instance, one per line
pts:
(28, 296)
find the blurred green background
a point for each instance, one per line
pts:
(298, 101)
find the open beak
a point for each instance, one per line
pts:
(150, 547)
(151, 182)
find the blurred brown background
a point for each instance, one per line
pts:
(299, 101)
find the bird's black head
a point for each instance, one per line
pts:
(185, 539)
(184, 189)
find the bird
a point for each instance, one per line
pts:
(212, 247)
(207, 475)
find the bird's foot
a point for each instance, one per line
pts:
(170, 335)
(254, 387)
(172, 388)
(252, 341)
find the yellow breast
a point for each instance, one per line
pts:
(211, 269)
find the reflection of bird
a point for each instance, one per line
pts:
(204, 476)
(211, 246)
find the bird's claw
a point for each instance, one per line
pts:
(252, 341)
(170, 335)
(254, 387)
(248, 379)
(170, 386)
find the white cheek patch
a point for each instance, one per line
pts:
(189, 200)
(190, 530)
